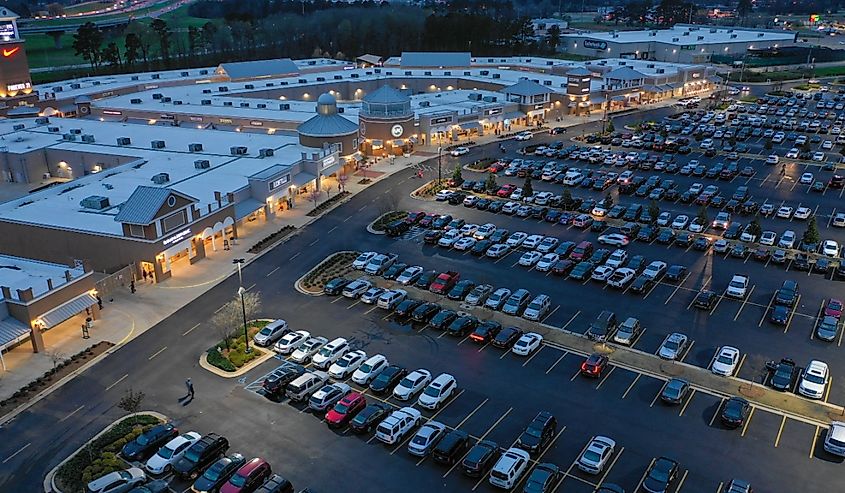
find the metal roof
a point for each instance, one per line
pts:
(259, 68)
(579, 71)
(12, 330)
(527, 87)
(436, 59)
(66, 310)
(372, 59)
(327, 126)
(625, 73)
(386, 95)
(141, 207)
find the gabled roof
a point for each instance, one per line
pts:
(258, 68)
(7, 13)
(579, 71)
(526, 87)
(371, 59)
(386, 95)
(436, 59)
(141, 207)
(625, 73)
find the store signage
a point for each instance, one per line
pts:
(112, 112)
(7, 53)
(177, 237)
(256, 123)
(594, 44)
(18, 87)
(8, 31)
(438, 121)
(538, 106)
(225, 120)
(279, 182)
(167, 117)
(397, 130)
(328, 161)
(196, 118)
(494, 111)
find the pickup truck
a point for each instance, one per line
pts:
(738, 286)
(380, 263)
(444, 282)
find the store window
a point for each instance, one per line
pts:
(173, 221)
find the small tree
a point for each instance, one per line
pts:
(702, 215)
(608, 200)
(754, 227)
(55, 356)
(610, 128)
(566, 198)
(314, 196)
(131, 402)
(811, 235)
(653, 209)
(527, 188)
(457, 175)
(768, 145)
(490, 185)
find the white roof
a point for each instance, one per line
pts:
(23, 273)
(682, 34)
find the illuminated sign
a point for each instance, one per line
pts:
(177, 237)
(256, 123)
(7, 53)
(328, 161)
(494, 111)
(278, 183)
(167, 117)
(438, 121)
(597, 45)
(18, 87)
(196, 118)
(7, 30)
(225, 120)
(112, 112)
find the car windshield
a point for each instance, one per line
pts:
(737, 284)
(813, 378)
(534, 432)
(341, 408)
(143, 439)
(406, 382)
(326, 352)
(266, 331)
(366, 368)
(165, 452)
(432, 392)
(659, 475)
(192, 455)
(535, 306)
(343, 363)
(238, 480)
(671, 344)
(213, 472)
(592, 456)
(834, 305)
(724, 359)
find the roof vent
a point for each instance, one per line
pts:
(222, 89)
(124, 141)
(206, 91)
(76, 131)
(266, 152)
(135, 101)
(195, 147)
(249, 86)
(184, 74)
(675, 40)
(202, 164)
(425, 104)
(88, 138)
(160, 178)
(760, 35)
(42, 120)
(261, 106)
(95, 202)
(238, 150)
(157, 144)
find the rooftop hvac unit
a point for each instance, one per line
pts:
(497, 76)
(95, 83)
(223, 89)
(18, 126)
(227, 103)
(76, 131)
(700, 38)
(303, 81)
(467, 73)
(661, 71)
(88, 138)
(42, 120)
(244, 105)
(475, 96)
(58, 89)
(205, 102)
(547, 82)
(269, 84)
(155, 76)
(354, 76)
(261, 106)
(204, 72)
(206, 91)
(97, 202)
(652, 33)
(733, 36)
(195, 147)
(283, 83)
(249, 86)
(687, 33)
(266, 152)
(166, 99)
(338, 77)
(425, 104)
(490, 99)
(340, 110)
(184, 74)
(388, 73)
(54, 130)
(284, 106)
(177, 102)
(135, 101)
(485, 72)
(69, 137)
(157, 144)
(650, 65)
(134, 77)
(675, 40)
(238, 150)
(714, 31)
(321, 79)
(75, 85)
(160, 178)
(202, 164)
(157, 95)
(760, 35)
(124, 141)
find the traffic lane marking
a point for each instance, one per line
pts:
(156, 353)
(7, 459)
(190, 330)
(124, 377)
(72, 413)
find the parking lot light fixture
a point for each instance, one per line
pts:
(239, 262)
(241, 292)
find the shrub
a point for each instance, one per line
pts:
(216, 359)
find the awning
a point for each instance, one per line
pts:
(666, 87)
(598, 99)
(12, 331)
(247, 207)
(470, 125)
(652, 89)
(513, 115)
(68, 309)
(301, 179)
(618, 98)
(675, 85)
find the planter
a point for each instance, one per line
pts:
(378, 225)
(313, 281)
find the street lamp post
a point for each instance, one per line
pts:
(439, 165)
(238, 262)
(241, 292)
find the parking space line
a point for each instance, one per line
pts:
(577, 372)
(689, 399)
(458, 426)
(484, 346)
(744, 301)
(556, 362)
(631, 386)
(768, 307)
(657, 396)
(689, 348)
(640, 483)
(747, 421)
(354, 304)
(540, 456)
(676, 289)
(550, 313)
(815, 438)
(571, 320)
(609, 467)
(718, 300)
(780, 431)
(481, 438)
(741, 361)
(605, 377)
(792, 313)
(534, 354)
(681, 482)
(433, 416)
(718, 408)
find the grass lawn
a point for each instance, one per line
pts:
(180, 18)
(41, 51)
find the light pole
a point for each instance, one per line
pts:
(238, 262)
(439, 165)
(241, 292)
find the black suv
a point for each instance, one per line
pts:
(450, 448)
(787, 293)
(480, 458)
(275, 484)
(220, 472)
(199, 455)
(149, 442)
(539, 433)
(274, 385)
(602, 327)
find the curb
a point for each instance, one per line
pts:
(50, 479)
(204, 364)
(56, 386)
(415, 193)
(374, 221)
(297, 285)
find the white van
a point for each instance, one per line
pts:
(304, 385)
(330, 353)
(436, 393)
(572, 178)
(509, 468)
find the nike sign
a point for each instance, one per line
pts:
(8, 53)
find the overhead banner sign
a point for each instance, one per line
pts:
(595, 44)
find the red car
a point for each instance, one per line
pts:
(506, 190)
(414, 217)
(833, 308)
(496, 167)
(444, 282)
(249, 477)
(594, 365)
(346, 409)
(428, 219)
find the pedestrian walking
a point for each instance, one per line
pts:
(144, 273)
(99, 302)
(190, 386)
(132, 286)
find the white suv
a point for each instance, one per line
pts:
(814, 380)
(394, 427)
(330, 353)
(370, 369)
(737, 287)
(509, 468)
(436, 393)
